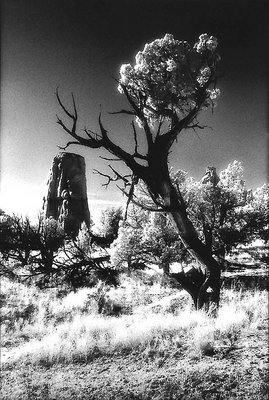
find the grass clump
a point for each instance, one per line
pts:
(47, 329)
(157, 347)
(87, 336)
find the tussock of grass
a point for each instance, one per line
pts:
(27, 312)
(88, 336)
(158, 347)
(68, 329)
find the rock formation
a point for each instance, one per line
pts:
(66, 200)
(210, 177)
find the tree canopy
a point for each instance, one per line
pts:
(170, 79)
(166, 88)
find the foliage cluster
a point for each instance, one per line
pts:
(110, 222)
(168, 76)
(224, 212)
(147, 238)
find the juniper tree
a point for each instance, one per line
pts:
(166, 88)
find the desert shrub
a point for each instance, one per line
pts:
(29, 312)
(42, 254)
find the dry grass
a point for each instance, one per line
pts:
(158, 348)
(48, 330)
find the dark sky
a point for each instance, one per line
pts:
(80, 45)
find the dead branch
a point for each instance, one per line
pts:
(128, 112)
(91, 141)
(124, 178)
(91, 134)
(159, 128)
(136, 154)
(117, 176)
(135, 137)
(141, 205)
(64, 108)
(135, 180)
(140, 114)
(95, 140)
(67, 145)
(108, 177)
(110, 159)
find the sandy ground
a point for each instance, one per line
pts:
(238, 373)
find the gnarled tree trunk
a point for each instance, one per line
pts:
(203, 284)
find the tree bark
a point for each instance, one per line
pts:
(204, 287)
(209, 289)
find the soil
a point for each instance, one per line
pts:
(238, 372)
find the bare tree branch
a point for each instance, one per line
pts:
(67, 145)
(91, 142)
(140, 115)
(92, 135)
(121, 177)
(61, 104)
(74, 107)
(128, 112)
(135, 180)
(136, 154)
(94, 140)
(117, 177)
(159, 128)
(110, 159)
(143, 206)
(118, 151)
(135, 137)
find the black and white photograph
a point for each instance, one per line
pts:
(134, 200)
